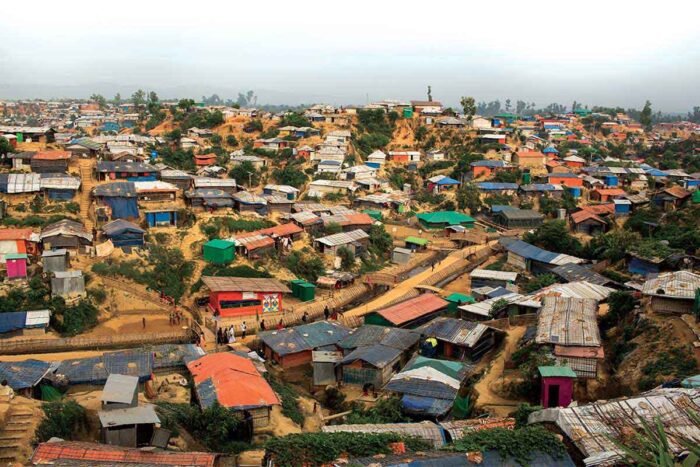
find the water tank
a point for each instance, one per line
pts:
(611, 180)
(575, 191)
(407, 188)
(561, 213)
(527, 177)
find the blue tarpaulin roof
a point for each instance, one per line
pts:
(426, 405)
(120, 189)
(497, 186)
(12, 321)
(528, 251)
(22, 375)
(305, 337)
(447, 181)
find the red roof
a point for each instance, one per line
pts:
(530, 154)
(600, 209)
(15, 234)
(281, 230)
(236, 380)
(610, 191)
(52, 155)
(677, 192)
(413, 308)
(74, 450)
(584, 215)
(205, 156)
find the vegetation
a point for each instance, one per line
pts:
(216, 427)
(316, 449)
(520, 445)
(305, 264)
(245, 174)
(65, 420)
(347, 258)
(376, 128)
(387, 410)
(222, 226)
(468, 197)
(523, 412)
(676, 363)
(291, 175)
(289, 398)
(554, 236)
(540, 282)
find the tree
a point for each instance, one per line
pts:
(63, 420)
(308, 266)
(468, 197)
(468, 107)
(153, 97)
(231, 141)
(347, 258)
(430, 93)
(5, 146)
(645, 116)
(245, 174)
(380, 242)
(554, 236)
(247, 99)
(117, 99)
(185, 104)
(508, 106)
(290, 175)
(99, 99)
(138, 98)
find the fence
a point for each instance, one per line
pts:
(27, 346)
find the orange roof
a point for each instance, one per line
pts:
(52, 155)
(530, 154)
(610, 191)
(92, 452)
(553, 163)
(15, 234)
(280, 230)
(677, 192)
(205, 156)
(413, 308)
(236, 381)
(600, 209)
(584, 215)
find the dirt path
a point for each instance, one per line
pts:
(487, 397)
(409, 284)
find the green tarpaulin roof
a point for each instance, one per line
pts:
(692, 382)
(417, 240)
(444, 217)
(447, 367)
(460, 298)
(218, 243)
(556, 371)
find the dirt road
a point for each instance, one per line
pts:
(409, 284)
(487, 398)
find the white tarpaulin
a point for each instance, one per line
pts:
(427, 373)
(104, 249)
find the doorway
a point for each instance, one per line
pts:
(553, 400)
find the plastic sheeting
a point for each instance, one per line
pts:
(123, 208)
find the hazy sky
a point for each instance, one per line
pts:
(609, 52)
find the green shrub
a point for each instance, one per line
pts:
(63, 420)
(98, 295)
(289, 398)
(307, 266)
(386, 410)
(520, 444)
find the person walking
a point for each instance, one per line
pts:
(262, 324)
(244, 328)
(280, 325)
(305, 317)
(326, 312)
(231, 334)
(143, 322)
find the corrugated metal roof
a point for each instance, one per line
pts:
(65, 227)
(343, 238)
(22, 375)
(575, 272)
(497, 186)
(455, 331)
(127, 167)
(484, 308)
(413, 308)
(145, 414)
(244, 284)
(532, 252)
(568, 321)
(589, 426)
(305, 337)
(121, 189)
(377, 355)
(59, 182)
(23, 183)
(458, 428)
(578, 289)
(497, 275)
(677, 284)
(119, 388)
(370, 334)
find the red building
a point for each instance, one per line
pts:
(557, 386)
(202, 160)
(242, 296)
(566, 179)
(606, 194)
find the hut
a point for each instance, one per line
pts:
(356, 241)
(24, 323)
(459, 339)
(24, 376)
(68, 284)
(50, 162)
(123, 233)
(219, 251)
(245, 201)
(534, 259)
(518, 218)
(285, 191)
(55, 260)
(673, 292)
(430, 387)
(294, 346)
(456, 300)
(131, 427)
(59, 187)
(242, 296)
(210, 199)
(442, 219)
(587, 222)
(401, 255)
(132, 171)
(370, 365)
(491, 278)
(235, 383)
(165, 217)
(557, 386)
(117, 200)
(409, 313)
(416, 243)
(120, 392)
(66, 234)
(16, 264)
(179, 178)
(155, 191)
(404, 340)
(17, 241)
(569, 326)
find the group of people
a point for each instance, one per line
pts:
(176, 318)
(226, 335)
